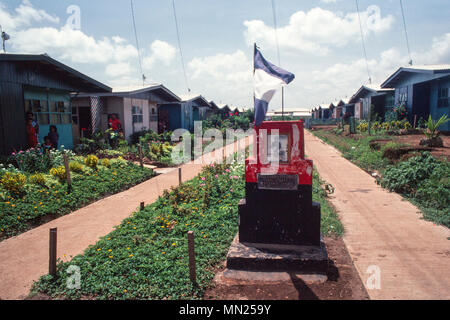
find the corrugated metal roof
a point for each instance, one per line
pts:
(44, 58)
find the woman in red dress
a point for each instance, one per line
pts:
(31, 134)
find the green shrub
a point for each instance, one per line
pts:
(59, 173)
(37, 179)
(13, 182)
(76, 167)
(106, 163)
(91, 161)
(406, 176)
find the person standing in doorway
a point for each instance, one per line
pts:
(31, 134)
(35, 125)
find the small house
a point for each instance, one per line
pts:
(135, 107)
(382, 100)
(183, 114)
(424, 90)
(41, 85)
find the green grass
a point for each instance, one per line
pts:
(357, 150)
(331, 225)
(146, 256)
(19, 213)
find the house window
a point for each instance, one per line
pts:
(443, 98)
(403, 96)
(137, 114)
(50, 112)
(153, 116)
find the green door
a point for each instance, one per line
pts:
(51, 108)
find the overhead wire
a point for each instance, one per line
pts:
(275, 24)
(137, 43)
(179, 47)
(406, 33)
(363, 42)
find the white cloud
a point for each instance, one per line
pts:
(439, 52)
(317, 30)
(120, 69)
(71, 45)
(25, 15)
(161, 51)
(329, 1)
(223, 77)
(343, 79)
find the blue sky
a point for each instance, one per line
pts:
(319, 42)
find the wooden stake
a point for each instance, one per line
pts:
(140, 156)
(52, 252)
(180, 177)
(191, 248)
(67, 167)
(224, 157)
(142, 206)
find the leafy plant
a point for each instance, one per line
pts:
(13, 182)
(37, 179)
(91, 161)
(59, 172)
(106, 163)
(76, 167)
(431, 131)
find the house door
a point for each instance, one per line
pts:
(51, 108)
(163, 120)
(421, 101)
(85, 121)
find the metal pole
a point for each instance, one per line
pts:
(52, 252)
(180, 178)
(282, 103)
(191, 248)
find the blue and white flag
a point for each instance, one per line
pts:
(268, 78)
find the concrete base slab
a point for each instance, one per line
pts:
(277, 258)
(241, 275)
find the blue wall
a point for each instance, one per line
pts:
(436, 112)
(411, 83)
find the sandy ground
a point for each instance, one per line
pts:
(385, 235)
(25, 258)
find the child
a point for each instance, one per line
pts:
(54, 137)
(48, 145)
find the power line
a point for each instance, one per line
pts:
(406, 33)
(137, 43)
(363, 42)
(179, 46)
(274, 12)
(275, 24)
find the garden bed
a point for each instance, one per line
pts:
(44, 197)
(146, 256)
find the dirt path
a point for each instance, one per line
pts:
(383, 230)
(23, 259)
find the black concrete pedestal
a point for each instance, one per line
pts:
(279, 216)
(277, 258)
